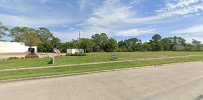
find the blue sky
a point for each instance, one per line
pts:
(120, 19)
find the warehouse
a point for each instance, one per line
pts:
(14, 49)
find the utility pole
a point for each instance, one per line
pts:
(79, 40)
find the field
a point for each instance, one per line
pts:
(26, 68)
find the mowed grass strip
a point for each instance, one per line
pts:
(40, 62)
(90, 68)
(90, 58)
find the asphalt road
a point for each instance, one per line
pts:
(169, 82)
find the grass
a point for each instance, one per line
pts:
(92, 57)
(89, 68)
(40, 62)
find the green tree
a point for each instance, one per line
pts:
(100, 41)
(196, 45)
(130, 45)
(72, 44)
(48, 40)
(87, 44)
(122, 46)
(46, 37)
(56, 42)
(3, 30)
(69, 45)
(111, 45)
(166, 44)
(29, 37)
(145, 47)
(16, 33)
(178, 43)
(156, 42)
(188, 47)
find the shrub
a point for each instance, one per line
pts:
(31, 56)
(76, 54)
(11, 58)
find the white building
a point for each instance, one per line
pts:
(74, 51)
(15, 48)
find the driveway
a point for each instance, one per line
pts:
(183, 81)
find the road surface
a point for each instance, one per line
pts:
(183, 81)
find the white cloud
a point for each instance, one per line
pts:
(11, 20)
(194, 32)
(190, 30)
(29, 13)
(108, 18)
(135, 32)
(111, 12)
(114, 17)
(66, 35)
(23, 6)
(190, 38)
(181, 7)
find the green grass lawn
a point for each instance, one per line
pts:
(91, 57)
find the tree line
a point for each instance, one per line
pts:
(46, 41)
(101, 42)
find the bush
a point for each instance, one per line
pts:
(11, 58)
(31, 56)
(76, 54)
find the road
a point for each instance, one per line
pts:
(183, 81)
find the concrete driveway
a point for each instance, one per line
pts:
(182, 81)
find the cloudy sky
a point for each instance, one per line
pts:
(120, 19)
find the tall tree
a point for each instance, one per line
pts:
(188, 47)
(111, 45)
(100, 41)
(3, 30)
(196, 45)
(56, 42)
(156, 42)
(72, 44)
(16, 33)
(122, 46)
(166, 44)
(48, 40)
(178, 43)
(29, 37)
(130, 45)
(87, 44)
(46, 37)
(146, 47)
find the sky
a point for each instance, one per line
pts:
(119, 19)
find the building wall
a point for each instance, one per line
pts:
(14, 47)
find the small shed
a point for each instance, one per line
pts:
(75, 51)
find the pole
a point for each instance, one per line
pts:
(79, 40)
